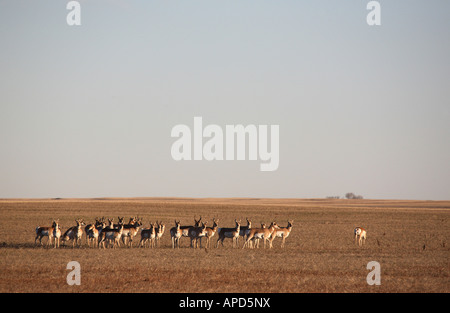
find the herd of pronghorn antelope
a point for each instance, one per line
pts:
(104, 234)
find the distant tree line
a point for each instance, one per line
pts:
(348, 195)
(351, 195)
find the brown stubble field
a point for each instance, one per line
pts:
(408, 238)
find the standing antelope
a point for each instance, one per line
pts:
(360, 234)
(245, 229)
(119, 223)
(255, 239)
(93, 232)
(89, 226)
(210, 232)
(175, 234)
(148, 234)
(283, 232)
(130, 230)
(195, 233)
(74, 233)
(185, 229)
(159, 232)
(56, 232)
(45, 232)
(111, 223)
(112, 235)
(261, 233)
(232, 233)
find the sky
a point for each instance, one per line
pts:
(87, 111)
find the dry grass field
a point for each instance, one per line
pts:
(410, 240)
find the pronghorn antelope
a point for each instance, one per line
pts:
(195, 233)
(112, 235)
(89, 226)
(210, 232)
(360, 234)
(185, 229)
(283, 232)
(148, 234)
(255, 240)
(93, 232)
(159, 232)
(261, 233)
(45, 232)
(56, 233)
(232, 233)
(131, 221)
(175, 234)
(88, 229)
(245, 229)
(74, 233)
(111, 224)
(130, 230)
(117, 226)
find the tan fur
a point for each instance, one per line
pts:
(263, 233)
(360, 235)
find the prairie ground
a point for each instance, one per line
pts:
(409, 239)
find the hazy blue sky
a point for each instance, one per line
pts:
(87, 111)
